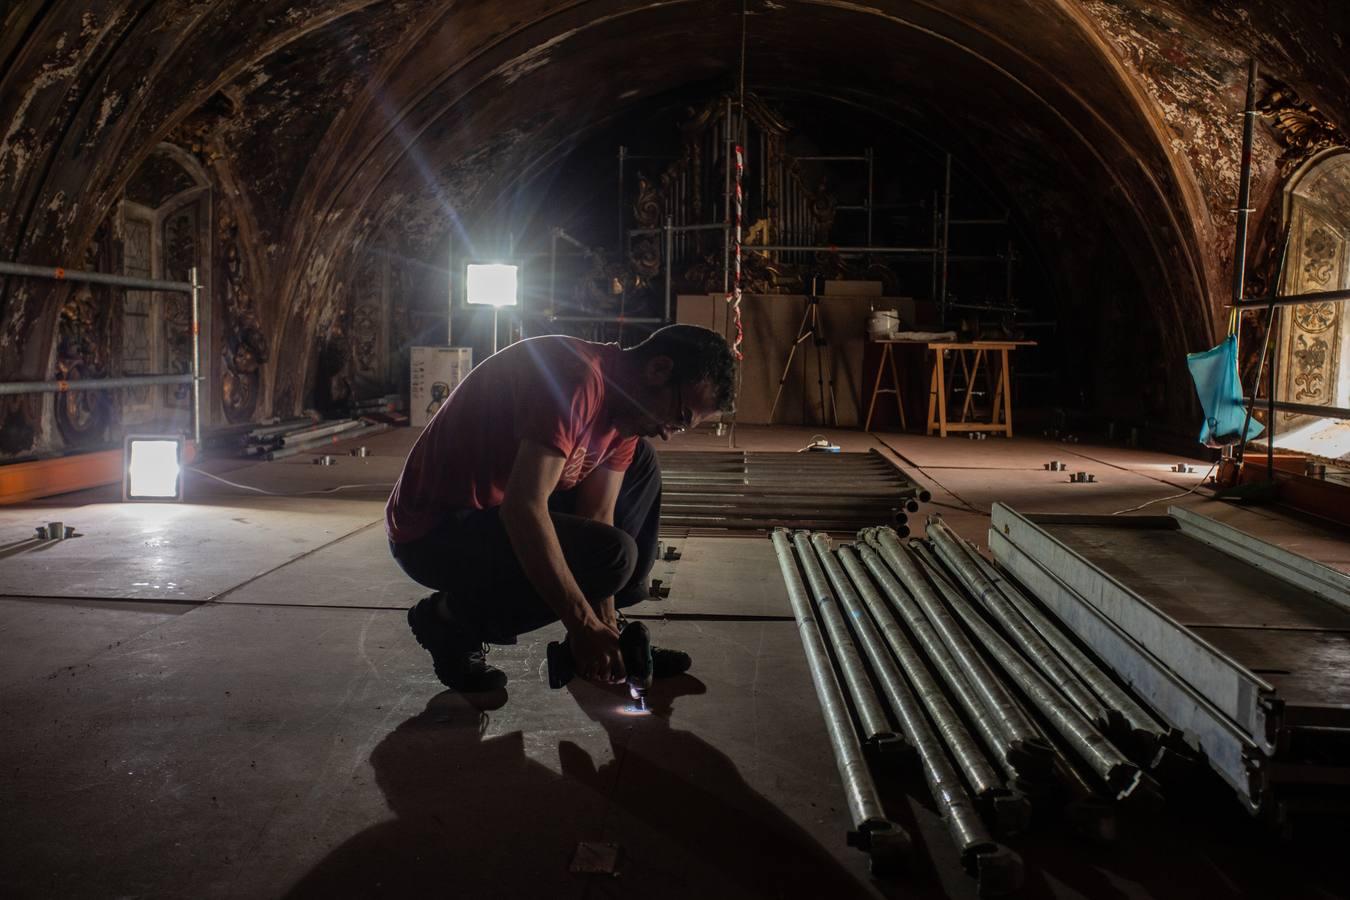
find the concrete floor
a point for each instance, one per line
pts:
(221, 699)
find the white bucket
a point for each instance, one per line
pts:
(883, 323)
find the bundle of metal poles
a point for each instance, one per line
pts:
(936, 650)
(297, 436)
(385, 404)
(859, 714)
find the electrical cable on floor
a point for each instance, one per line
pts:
(1173, 496)
(249, 487)
(968, 507)
(820, 442)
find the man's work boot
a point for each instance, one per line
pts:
(458, 656)
(667, 663)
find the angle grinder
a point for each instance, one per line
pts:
(635, 646)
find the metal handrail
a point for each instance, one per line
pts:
(1322, 412)
(1293, 299)
(90, 384)
(57, 273)
(194, 378)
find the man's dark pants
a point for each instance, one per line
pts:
(470, 558)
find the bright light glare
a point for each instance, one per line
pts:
(491, 284)
(153, 469)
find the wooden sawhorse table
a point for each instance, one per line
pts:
(972, 355)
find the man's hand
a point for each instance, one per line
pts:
(595, 650)
(607, 613)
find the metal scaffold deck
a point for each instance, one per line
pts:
(1242, 645)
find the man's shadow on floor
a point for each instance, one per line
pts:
(477, 817)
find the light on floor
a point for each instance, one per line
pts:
(152, 468)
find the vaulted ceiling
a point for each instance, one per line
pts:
(1113, 124)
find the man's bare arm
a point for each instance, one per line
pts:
(525, 516)
(596, 497)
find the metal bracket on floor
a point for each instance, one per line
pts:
(663, 572)
(54, 531)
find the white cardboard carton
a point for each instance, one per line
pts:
(436, 371)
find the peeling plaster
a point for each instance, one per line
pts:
(535, 58)
(1194, 85)
(1199, 86)
(16, 145)
(110, 107)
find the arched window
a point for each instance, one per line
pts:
(1315, 337)
(166, 215)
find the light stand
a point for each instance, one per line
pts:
(812, 327)
(492, 284)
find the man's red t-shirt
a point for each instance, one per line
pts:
(551, 390)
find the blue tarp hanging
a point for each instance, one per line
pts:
(1215, 373)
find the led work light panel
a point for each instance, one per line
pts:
(490, 284)
(152, 468)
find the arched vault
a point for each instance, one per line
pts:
(1109, 123)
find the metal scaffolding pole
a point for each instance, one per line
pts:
(998, 869)
(886, 842)
(1278, 299)
(623, 151)
(946, 234)
(315, 445)
(870, 167)
(875, 728)
(1109, 764)
(552, 272)
(1305, 409)
(1244, 184)
(1029, 641)
(679, 229)
(983, 779)
(1113, 695)
(318, 432)
(127, 281)
(933, 286)
(785, 248)
(91, 384)
(196, 358)
(670, 261)
(959, 681)
(192, 377)
(726, 202)
(1026, 751)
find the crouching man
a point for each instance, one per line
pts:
(532, 496)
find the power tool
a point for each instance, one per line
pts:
(635, 646)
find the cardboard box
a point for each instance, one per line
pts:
(436, 371)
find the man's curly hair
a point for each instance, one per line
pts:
(698, 353)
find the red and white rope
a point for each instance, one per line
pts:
(735, 297)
